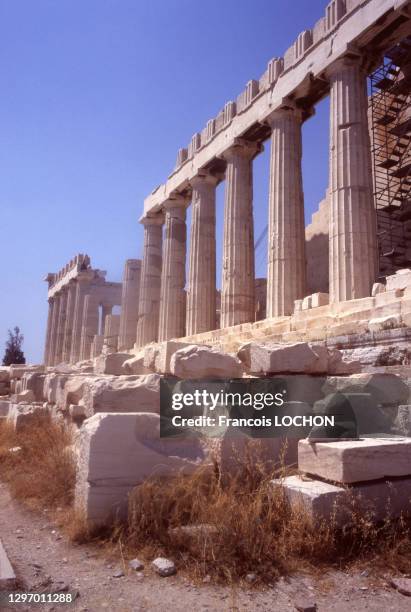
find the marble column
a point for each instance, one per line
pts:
(48, 331)
(286, 274)
(129, 304)
(83, 287)
(61, 323)
(150, 281)
(54, 329)
(237, 290)
(201, 292)
(106, 310)
(172, 297)
(90, 324)
(68, 332)
(111, 332)
(353, 248)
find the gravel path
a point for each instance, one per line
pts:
(45, 562)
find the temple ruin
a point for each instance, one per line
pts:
(363, 223)
(333, 313)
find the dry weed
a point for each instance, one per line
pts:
(244, 525)
(42, 473)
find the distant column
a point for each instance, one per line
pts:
(111, 332)
(83, 287)
(54, 327)
(90, 324)
(129, 304)
(286, 277)
(201, 292)
(106, 310)
(237, 290)
(150, 282)
(353, 249)
(68, 331)
(48, 331)
(58, 355)
(172, 300)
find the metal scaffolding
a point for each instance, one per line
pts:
(390, 115)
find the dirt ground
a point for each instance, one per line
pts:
(46, 562)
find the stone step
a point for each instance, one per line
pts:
(322, 501)
(356, 460)
(7, 575)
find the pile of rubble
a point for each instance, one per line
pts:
(113, 405)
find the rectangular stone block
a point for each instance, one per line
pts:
(111, 363)
(355, 460)
(324, 501)
(319, 299)
(18, 371)
(34, 381)
(164, 354)
(121, 394)
(7, 575)
(400, 280)
(116, 452)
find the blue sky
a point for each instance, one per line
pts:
(97, 96)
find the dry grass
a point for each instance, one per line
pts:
(251, 529)
(248, 525)
(42, 473)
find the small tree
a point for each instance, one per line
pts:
(13, 353)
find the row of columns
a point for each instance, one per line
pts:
(65, 322)
(165, 311)
(74, 317)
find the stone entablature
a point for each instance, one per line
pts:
(353, 26)
(56, 281)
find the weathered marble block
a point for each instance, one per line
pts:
(116, 452)
(355, 460)
(322, 501)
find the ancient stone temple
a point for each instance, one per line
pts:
(75, 294)
(333, 58)
(316, 276)
(333, 311)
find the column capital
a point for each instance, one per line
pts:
(204, 177)
(287, 110)
(243, 147)
(158, 219)
(345, 62)
(175, 201)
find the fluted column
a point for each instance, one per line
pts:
(48, 331)
(286, 234)
(54, 328)
(68, 331)
(353, 250)
(58, 355)
(106, 310)
(201, 291)
(172, 299)
(129, 304)
(150, 282)
(237, 290)
(90, 324)
(83, 286)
